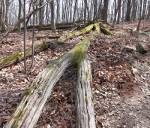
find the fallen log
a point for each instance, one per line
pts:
(104, 29)
(85, 108)
(58, 26)
(30, 108)
(92, 27)
(74, 34)
(18, 56)
(65, 25)
(39, 37)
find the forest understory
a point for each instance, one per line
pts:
(121, 79)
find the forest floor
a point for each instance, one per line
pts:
(121, 80)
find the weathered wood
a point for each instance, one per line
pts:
(18, 56)
(30, 108)
(85, 108)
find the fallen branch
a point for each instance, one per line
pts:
(30, 108)
(85, 108)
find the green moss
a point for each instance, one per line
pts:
(88, 76)
(73, 34)
(44, 46)
(28, 91)
(18, 115)
(16, 119)
(97, 27)
(52, 63)
(104, 29)
(11, 58)
(79, 51)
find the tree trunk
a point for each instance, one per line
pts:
(105, 10)
(53, 15)
(19, 14)
(6, 13)
(140, 16)
(85, 108)
(41, 12)
(144, 9)
(28, 16)
(115, 12)
(119, 11)
(128, 10)
(30, 108)
(134, 10)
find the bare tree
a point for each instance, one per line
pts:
(53, 15)
(24, 39)
(144, 9)
(128, 13)
(105, 10)
(134, 10)
(140, 16)
(119, 11)
(41, 12)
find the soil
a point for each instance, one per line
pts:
(121, 80)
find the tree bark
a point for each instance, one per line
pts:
(105, 10)
(140, 16)
(119, 11)
(85, 108)
(128, 10)
(30, 108)
(53, 15)
(41, 12)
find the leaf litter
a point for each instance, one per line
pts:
(121, 86)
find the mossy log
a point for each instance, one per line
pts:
(96, 27)
(73, 34)
(30, 108)
(85, 108)
(18, 56)
(104, 29)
